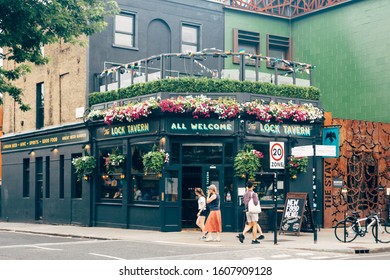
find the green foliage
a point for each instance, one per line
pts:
(297, 165)
(114, 160)
(154, 160)
(84, 166)
(204, 85)
(27, 25)
(247, 162)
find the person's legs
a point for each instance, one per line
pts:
(200, 223)
(254, 231)
(259, 230)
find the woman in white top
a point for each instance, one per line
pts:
(202, 212)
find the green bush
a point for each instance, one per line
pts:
(204, 85)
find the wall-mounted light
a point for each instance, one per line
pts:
(31, 153)
(86, 177)
(162, 143)
(54, 149)
(105, 176)
(87, 148)
(122, 176)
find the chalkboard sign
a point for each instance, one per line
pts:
(294, 211)
(308, 222)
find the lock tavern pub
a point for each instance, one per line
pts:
(40, 182)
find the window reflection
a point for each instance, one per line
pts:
(145, 187)
(112, 176)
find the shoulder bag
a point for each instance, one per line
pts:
(252, 208)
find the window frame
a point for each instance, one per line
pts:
(198, 39)
(282, 43)
(40, 105)
(245, 36)
(132, 33)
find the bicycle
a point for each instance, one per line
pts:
(352, 226)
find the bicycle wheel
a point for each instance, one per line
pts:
(346, 230)
(383, 231)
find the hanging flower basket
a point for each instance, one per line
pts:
(84, 166)
(296, 165)
(114, 161)
(154, 161)
(247, 162)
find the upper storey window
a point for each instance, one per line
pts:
(125, 30)
(189, 38)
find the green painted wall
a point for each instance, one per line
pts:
(350, 46)
(255, 23)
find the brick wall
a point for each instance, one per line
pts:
(64, 79)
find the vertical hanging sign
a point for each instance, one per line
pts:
(331, 137)
(276, 152)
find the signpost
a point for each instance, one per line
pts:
(276, 151)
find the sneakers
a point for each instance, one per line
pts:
(241, 237)
(260, 237)
(255, 242)
(203, 237)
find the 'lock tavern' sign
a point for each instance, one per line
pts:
(279, 129)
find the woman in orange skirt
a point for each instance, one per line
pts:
(214, 221)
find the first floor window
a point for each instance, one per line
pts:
(40, 105)
(278, 47)
(124, 30)
(247, 41)
(189, 38)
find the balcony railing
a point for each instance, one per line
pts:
(207, 63)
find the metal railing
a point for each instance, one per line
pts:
(210, 63)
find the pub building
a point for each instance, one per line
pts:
(40, 184)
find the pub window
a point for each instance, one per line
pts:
(40, 105)
(26, 177)
(124, 30)
(278, 47)
(77, 190)
(175, 153)
(248, 41)
(190, 38)
(47, 177)
(39, 177)
(200, 153)
(145, 186)
(112, 174)
(62, 177)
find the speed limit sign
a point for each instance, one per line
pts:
(276, 152)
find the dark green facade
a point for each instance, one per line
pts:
(347, 44)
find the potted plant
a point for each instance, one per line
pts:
(296, 165)
(247, 162)
(113, 161)
(154, 161)
(84, 166)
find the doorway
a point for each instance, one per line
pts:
(196, 177)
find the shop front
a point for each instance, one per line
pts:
(200, 152)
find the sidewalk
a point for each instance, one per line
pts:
(326, 241)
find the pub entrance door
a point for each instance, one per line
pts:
(200, 176)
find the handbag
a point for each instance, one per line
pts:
(252, 208)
